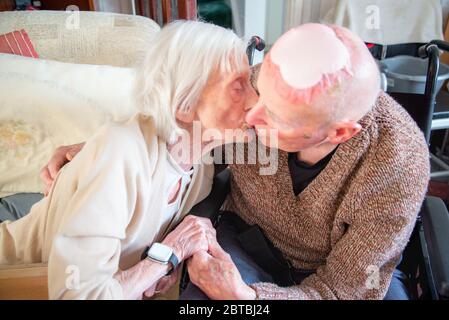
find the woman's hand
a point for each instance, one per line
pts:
(192, 235)
(165, 284)
(141, 279)
(60, 157)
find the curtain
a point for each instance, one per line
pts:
(304, 11)
(117, 6)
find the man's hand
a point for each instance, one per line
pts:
(217, 276)
(192, 235)
(60, 157)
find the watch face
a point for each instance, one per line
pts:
(160, 252)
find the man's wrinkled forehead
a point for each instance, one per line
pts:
(306, 61)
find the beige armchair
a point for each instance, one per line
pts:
(80, 37)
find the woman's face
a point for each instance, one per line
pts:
(223, 105)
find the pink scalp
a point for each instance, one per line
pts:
(308, 60)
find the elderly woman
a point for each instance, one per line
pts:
(134, 181)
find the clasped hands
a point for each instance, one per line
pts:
(214, 272)
(210, 267)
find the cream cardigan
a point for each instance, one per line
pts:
(105, 207)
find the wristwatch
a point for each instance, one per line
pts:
(163, 254)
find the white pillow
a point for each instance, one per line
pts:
(46, 104)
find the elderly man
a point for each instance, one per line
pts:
(353, 170)
(332, 222)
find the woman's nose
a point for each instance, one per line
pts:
(255, 116)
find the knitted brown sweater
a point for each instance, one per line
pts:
(355, 218)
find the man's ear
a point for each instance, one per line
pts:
(343, 131)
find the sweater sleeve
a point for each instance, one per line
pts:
(379, 221)
(86, 251)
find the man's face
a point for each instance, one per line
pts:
(226, 101)
(299, 126)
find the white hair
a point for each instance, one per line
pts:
(181, 58)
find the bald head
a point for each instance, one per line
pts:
(324, 68)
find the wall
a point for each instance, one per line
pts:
(255, 22)
(274, 21)
(238, 16)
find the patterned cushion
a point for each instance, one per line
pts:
(17, 42)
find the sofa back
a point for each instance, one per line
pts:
(84, 37)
